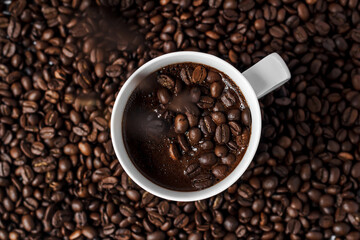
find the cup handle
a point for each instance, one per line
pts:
(268, 74)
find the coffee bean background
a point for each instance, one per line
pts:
(63, 61)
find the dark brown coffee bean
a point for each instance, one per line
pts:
(216, 89)
(69, 50)
(195, 94)
(28, 222)
(192, 119)
(157, 235)
(270, 182)
(220, 171)
(47, 133)
(233, 115)
(205, 102)
(341, 229)
(89, 232)
(243, 139)
(222, 134)
(37, 148)
(207, 126)
(213, 77)
(350, 206)
(356, 81)
(166, 82)
(303, 12)
(207, 159)
(218, 117)
(207, 145)
(181, 221)
(203, 181)
(228, 159)
(193, 170)
(183, 143)
(181, 124)
(293, 226)
(221, 151)
(276, 32)
(228, 99)
(14, 28)
(4, 169)
(82, 129)
(163, 95)
(113, 70)
(174, 151)
(44, 164)
(186, 75)
(246, 117)
(109, 182)
(198, 75)
(29, 107)
(235, 128)
(259, 24)
(155, 218)
(194, 136)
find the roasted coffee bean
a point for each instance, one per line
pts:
(28, 222)
(4, 169)
(181, 221)
(228, 99)
(166, 82)
(174, 152)
(243, 139)
(207, 126)
(195, 94)
(44, 164)
(89, 232)
(194, 135)
(207, 145)
(205, 102)
(221, 151)
(228, 159)
(198, 75)
(235, 128)
(218, 118)
(341, 229)
(47, 133)
(185, 76)
(216, 89)
(181, 124)
(207, 159)
(37, 148)
(193, 170)
(246, 117)
(203, 181)
(222, 134)
(233, 115)
(183, 143)
(109, 182)
(113, 71)
(213, 76)
(219, 171)
(163, 95)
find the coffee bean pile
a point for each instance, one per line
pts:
(62, 63)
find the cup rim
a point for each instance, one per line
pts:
(246, 90)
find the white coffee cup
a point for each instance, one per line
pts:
(257, 81)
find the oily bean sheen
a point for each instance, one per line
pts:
(172, 118)
(62, 64)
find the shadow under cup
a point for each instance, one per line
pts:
(134, 81)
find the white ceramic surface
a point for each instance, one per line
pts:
(259, 76)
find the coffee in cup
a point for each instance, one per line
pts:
(186, 126)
